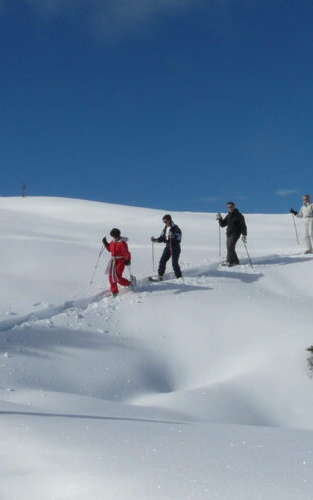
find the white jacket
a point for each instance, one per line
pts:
(306, 211)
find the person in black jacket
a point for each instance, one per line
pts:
(171, 236)
(236, 226)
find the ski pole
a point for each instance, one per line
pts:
(296, 230)
(96, 265)
(249, 259)
(218, 219)
(219, 241)
(153, 260)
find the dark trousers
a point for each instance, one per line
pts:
(169, 252)
(231, 241)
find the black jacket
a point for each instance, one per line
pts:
(235, 223)
(174, 236)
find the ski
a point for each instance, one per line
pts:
(166, 277)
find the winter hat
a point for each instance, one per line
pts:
(115, 233)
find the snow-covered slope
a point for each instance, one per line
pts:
(193, 390)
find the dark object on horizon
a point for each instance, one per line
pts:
(23, 190)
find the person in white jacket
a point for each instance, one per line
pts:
(306, 212)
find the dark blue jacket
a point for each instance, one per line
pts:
(175, 236)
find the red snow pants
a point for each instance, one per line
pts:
(116, 275)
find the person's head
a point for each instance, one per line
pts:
(167, 219)
(230, 206)
(115, 233)
(306, 198)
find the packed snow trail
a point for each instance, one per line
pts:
(84, 302)
(50, 312)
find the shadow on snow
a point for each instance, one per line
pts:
(177, 288)
(91, 417)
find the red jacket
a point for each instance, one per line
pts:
(119, 249)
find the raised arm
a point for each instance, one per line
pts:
(295, 213)
(300, 213)
(160, 239)
(223, 222)
(106, 244)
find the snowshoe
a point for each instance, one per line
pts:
(155, 278)
(229, 264)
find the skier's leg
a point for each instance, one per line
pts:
(164, 258)
(120, 266)
(236, 260)
(232, 257)
(308, 234)
(309, 231)
(175, 257)
(229, 248)
(113, 283)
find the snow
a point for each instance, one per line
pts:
(183, 390)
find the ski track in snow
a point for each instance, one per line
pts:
(51, 312)
(143, 284)
(243, 272)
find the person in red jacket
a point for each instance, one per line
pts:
(120, 258)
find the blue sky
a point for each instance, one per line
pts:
(174, 104)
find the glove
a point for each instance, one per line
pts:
(127, 262)
(218, 216)
(153, 239)
(244, 238)
(104, 241)
(293, 211)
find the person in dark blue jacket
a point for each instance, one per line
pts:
(171, 236)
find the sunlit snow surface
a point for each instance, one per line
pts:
(183, 390)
